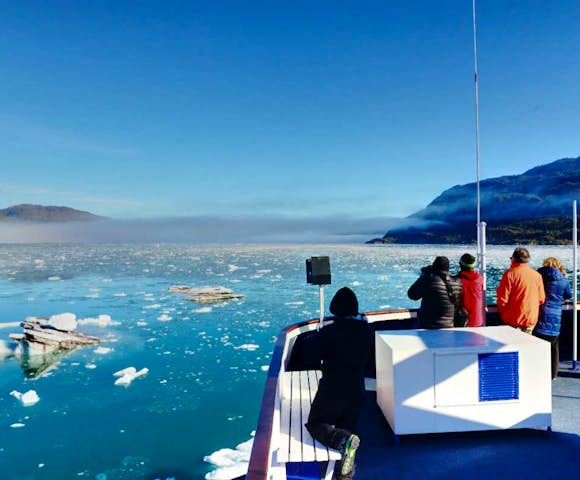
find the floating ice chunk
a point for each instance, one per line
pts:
(203, 310)
(127, 375)
(101, 321)
(5, 350)
(120, 294)
(247, 346)
(233, 268)
(230, 463)
(154, 306)
(17, 425)
(102, 350)
(92, 295)
(27, 399)
(264, 368)
(141, 324)
(54, 278)
(164, 317)
(356, 283)
(64, 321)
(90, 366)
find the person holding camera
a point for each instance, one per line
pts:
(439, 293)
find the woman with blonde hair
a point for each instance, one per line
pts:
(557, 290)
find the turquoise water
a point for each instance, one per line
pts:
(206, 362)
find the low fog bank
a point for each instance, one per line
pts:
(201, 230)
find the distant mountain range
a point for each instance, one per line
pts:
(532, 208)
(45, 214)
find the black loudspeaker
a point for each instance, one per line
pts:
(318, 270)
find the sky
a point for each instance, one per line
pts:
(302, 110)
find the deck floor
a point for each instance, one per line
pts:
(514, 454)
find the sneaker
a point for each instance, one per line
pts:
(348, 454)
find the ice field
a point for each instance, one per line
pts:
(205, 363)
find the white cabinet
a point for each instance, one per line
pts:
(463, 379)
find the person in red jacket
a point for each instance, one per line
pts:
(520, 293)
(471, 290)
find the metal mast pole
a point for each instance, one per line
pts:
(481, 243)
(575, 288)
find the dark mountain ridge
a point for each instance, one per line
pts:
(46, 214)
(534, 207)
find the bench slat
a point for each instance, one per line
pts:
(298, 390)
(308, 447)
(295, 420)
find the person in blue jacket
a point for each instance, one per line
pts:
(557, 290)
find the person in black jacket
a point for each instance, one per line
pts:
(439, 293)
(345, 347)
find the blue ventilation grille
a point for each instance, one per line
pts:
(498, 376)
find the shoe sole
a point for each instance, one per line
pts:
(352, 444)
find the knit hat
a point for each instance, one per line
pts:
(441, 264)
(467, 261)
(344, 303)
(521, 255)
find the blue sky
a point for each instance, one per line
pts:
(342, 110)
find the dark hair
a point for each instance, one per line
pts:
(441, 264)
(344, 303)
(521, 255)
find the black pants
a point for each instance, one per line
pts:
(555, 349)
(334, 413)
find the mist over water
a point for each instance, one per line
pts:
(206, 362)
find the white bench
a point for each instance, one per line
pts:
(297, 391)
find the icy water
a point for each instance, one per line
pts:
(206, 362)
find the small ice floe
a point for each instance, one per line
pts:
(100, 321)
(203, 310)
(17, 425)
(233, 268)
(54, 278)
(127, 375)
(164, 318)
(92, 295)
(356, 283)
(27, 399)
(230, 463)
(206, 294)
(294, 303)
(152, 307)
(120, 294)
(264, 368)
(141, 324)
(90, 366)
(102, 350)
(247, 346)
(5, 350)
(383, 278)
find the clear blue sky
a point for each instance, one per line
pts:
(340, 109)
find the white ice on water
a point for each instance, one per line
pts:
(102, 350)
(127, 375)
(27, 399)
(5, 350)
(230, 463)
(100, 321)
(63, 321)
(247, 346)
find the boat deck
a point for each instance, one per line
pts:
(513, 454)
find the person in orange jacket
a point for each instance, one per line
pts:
(520, 293)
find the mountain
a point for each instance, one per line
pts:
(534, 207)
(41, 213)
